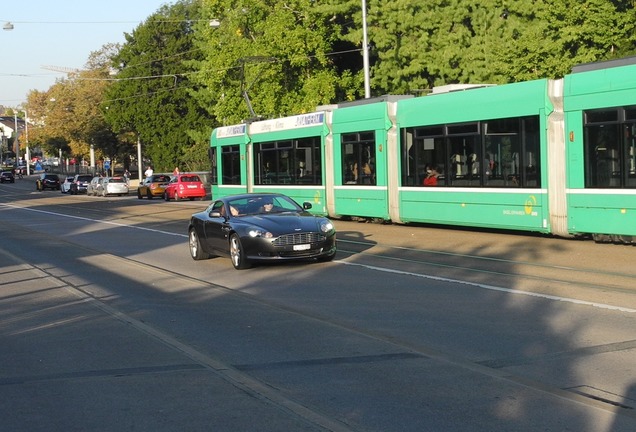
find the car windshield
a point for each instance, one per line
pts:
(263, 204)
(160, 179)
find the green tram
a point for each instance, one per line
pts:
(549, 156)
(600, 140)
(280, 155)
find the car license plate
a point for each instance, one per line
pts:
(192, 187)
(301, 247)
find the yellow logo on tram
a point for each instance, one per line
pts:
(530, 203)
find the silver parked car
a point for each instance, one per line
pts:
(114, 186)
(95, 186)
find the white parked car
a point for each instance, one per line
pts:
(65, 187)
(114, 186)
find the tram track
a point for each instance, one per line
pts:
(477, 268)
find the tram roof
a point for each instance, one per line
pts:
(606, 64)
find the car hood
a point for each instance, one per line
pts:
(282, 223)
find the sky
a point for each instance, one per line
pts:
(60, 33)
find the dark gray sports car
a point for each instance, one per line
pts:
(260, 227)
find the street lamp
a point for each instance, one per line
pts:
(17, 140)
(365, 51)
(27, 156)
(3, 138)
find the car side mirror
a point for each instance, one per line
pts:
(306, 205)
(215, 214)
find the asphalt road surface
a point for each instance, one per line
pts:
(107, 324)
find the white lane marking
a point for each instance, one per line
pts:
(380, 269)
(492, 287)
(118, 224)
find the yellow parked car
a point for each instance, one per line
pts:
(153, 186)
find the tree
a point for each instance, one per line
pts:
(417, 45)
(560, 34)
(268, 59)
(152, 97)
(68, 115)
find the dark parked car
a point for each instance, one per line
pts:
(263, 227)
(47, 181)
(80, 183)
(7, 176)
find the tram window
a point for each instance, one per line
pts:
(421, 153)
(505, 155)
(603, 116)
(530, 154)
(288, 162)
(502, 153)
(358, 158)
(610, 148)
(466, 162)
(231, 165)
(214, 179)
(630, 155)
(602, 156)
(429, 131)
(462, 129)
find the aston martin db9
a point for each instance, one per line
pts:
(260, 227)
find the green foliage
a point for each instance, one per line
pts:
(419, 45)
(67, 117)
(560, 34)
(178, 77)
(272, 55)
(154, 95)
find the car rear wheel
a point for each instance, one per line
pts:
(196, 252)
(237, 254)
(139, 194)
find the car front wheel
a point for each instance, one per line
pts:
(237, 254)
(327, 258)
(196, 252)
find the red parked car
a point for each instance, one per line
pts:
(184, 186)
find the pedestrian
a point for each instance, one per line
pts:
(127, 176)
(176, 171)
(148, 172)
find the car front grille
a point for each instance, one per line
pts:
(299, 238)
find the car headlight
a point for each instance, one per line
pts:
(256, 232)
(326, 226)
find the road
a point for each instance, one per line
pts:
(109, 325)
